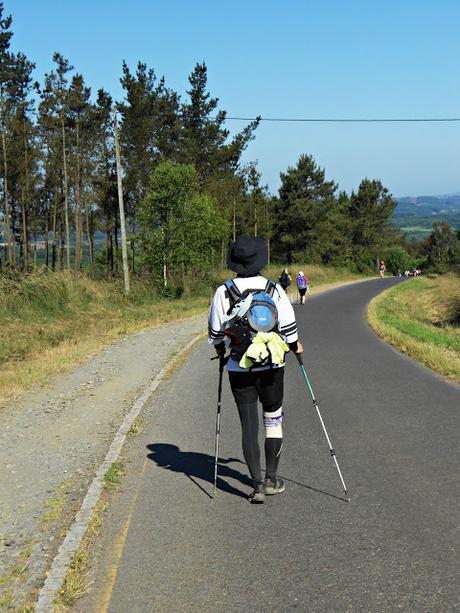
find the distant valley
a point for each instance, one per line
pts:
(415, 215)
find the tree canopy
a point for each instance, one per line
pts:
(186, 188)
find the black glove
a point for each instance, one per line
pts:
(220, 349)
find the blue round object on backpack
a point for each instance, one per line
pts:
(263, 314)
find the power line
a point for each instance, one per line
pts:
(348, 120)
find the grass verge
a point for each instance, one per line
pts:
(50, 322)
(422, 319)
(76, 582)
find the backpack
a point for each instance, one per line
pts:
(250, 312)
(284, 279)
(301, 282)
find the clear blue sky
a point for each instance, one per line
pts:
(292, 59)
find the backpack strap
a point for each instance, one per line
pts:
(232, 292)
(270, 288)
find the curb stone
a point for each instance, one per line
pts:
(69, 546)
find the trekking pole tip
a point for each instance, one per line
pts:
(347, 495)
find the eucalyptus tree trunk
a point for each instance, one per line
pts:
(61, 241)
(78, 192)
(6, 223)
(89, 235)
(66, 196)
(117, 249)
(24, 237)
(222, 254)
(268, 226)
(109, 248)
(47, 245)
(53, 240)
(6, 216)
(25, 205)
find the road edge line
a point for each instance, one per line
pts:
(61, 562)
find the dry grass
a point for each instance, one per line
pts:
(77, 583)
(420, 317)
(138, 426)
(11, 577)
(52, 322)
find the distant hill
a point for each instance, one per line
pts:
(415, 215)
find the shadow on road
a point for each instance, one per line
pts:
(198, 466)
(314, 489)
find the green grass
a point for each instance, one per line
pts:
(113, 477)
(421, 318)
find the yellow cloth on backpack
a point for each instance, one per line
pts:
(263, 345)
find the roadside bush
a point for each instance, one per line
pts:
(397, 260)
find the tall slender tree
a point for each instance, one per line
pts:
(105, 179)
(63, 67)
(5, 112)
(80, 116)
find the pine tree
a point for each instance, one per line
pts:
(205, 139)
(305, 199)
(150, 130)
(370, 212)
(442, 248)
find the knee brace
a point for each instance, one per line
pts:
(273, 424)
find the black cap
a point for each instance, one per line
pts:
(247, 255)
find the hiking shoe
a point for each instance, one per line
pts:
(258, 495)
(274, 486)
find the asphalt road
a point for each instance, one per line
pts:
(394, 547)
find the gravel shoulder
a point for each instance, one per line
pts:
(54, 439)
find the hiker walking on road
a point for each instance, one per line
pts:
(382, 269)
(285, 279)
(303, 285)
(254, 318)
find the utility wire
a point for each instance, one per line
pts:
(347, 120)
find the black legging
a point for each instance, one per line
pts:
(247, 389)
(249, 418)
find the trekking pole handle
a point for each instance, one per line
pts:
(299, 358)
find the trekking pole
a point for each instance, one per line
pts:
(217, 439)
(331, 448)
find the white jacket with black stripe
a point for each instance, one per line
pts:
(221, 304)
